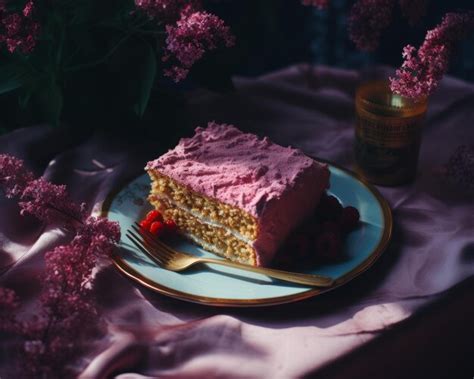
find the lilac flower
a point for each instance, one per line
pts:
(8, 299)
(460, 168)
(50, 203)
(67, 267)
(413, 10)
(18, 31)
(423, 69)
(193, 35)
(67, 293)
(14, 177)
(99, 234)
(34, 347)
(367, 20)
(46, 201)
(70, 266)
(28, 9)
(177, 73)
(168, 11)
(321, 4)
(8, 304)
(68, 308)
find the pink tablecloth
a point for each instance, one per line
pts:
(149, 335)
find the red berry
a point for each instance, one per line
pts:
(329, 245)
(171, 226)
(349, 219)
(157, 228)
(145, 224)
(329, 208)
(154, 215)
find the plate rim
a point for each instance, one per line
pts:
(131, 273)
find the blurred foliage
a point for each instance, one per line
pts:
(97, 64)
(109, 75)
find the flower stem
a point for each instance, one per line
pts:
(100, 60)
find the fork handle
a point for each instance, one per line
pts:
(294, 277)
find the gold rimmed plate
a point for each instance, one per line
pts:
(224, 286)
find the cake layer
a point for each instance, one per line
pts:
(262, 190)
(212, 237)
(224, 214)
(235, 168)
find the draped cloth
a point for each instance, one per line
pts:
(149, 335)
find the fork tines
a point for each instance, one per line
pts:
(149, 244)
(143, 246)
(151, 238)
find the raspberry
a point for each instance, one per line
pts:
(349, 219)
(170, 226)
(145, 224)
(329, 208)
(154, 215)
(329, 245)
(157, 228)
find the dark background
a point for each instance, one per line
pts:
(273, 34)
(270, 34)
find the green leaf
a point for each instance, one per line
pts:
(9, 79)
(24, 97)
(146, 73)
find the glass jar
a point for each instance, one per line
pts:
(388, 134)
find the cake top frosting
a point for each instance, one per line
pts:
(233, 167)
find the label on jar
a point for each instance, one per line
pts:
(390, 133)
(386, 150)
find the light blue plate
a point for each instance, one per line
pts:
(223, 286)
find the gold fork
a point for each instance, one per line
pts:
(173, 260)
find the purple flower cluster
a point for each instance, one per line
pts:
(68, 309)
(50, 203)
(367, 20)
(69, 267)
(190, 38)
(8, 304)
(423, 69)
(460, 168)
(168, 11)
(68, 306)
(98, 236)
(18, 30)
(14, 177)
(190, 32)
(321, 4)
(46, 201)
(8, 299)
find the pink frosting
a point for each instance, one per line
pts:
(279, 186)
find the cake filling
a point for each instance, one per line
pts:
(220, 213)
(159, 201)
(218, 239)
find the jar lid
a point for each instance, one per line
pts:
(377, 98)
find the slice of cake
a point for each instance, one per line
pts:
(234, 194)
